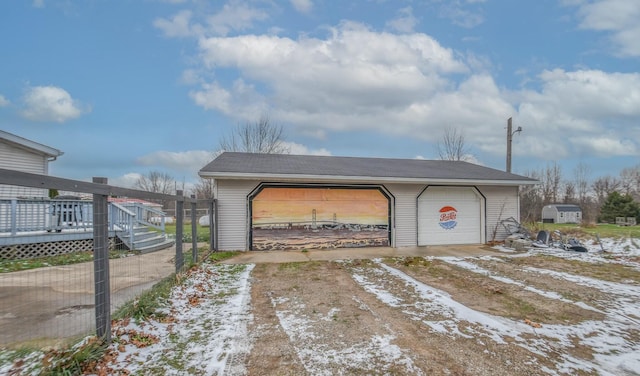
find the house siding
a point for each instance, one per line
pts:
(19, 159)
(232, 213)
(502, 203)
(233, 217)
(405, 233)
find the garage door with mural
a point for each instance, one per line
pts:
(450, 215)
(319, 217)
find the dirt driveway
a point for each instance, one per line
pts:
(444, 315)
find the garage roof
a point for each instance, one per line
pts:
(234, 165)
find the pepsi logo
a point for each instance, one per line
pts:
(448, 215)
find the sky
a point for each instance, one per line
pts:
(131, 86)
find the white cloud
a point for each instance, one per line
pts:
(178, 26)
(587, 111)
(50, 103)
(302, 6)
(125, 181)
(405, 21)
(618, 17)
(38, 3)
(192, 160)
(4, 101)
(460, 14)
(299, 149)
(233, 16)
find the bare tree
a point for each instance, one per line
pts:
(630, 181)
(262, 136)
(551, 179)
(452, 146)
(203, 189)
(157, 182)
(531, 199)
(603, 187)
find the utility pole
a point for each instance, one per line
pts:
(509, 139)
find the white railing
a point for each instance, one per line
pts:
(23, 216)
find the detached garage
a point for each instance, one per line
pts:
(279, 201)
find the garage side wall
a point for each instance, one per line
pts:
(502, 203)
(232, 213)
(405, 212)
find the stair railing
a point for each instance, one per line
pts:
(122, 219)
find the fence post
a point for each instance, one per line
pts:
(194, 229)
(101, 264)
(179, 228)
(14, 216)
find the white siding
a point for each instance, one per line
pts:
(19, 159)
(232, 213)
(502, 203)
(405, 232)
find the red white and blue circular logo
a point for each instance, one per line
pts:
(448, 215)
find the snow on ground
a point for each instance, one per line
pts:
(205, 330)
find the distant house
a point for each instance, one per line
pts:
(20, 154)
(561, 213)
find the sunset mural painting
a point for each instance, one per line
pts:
(316, 218)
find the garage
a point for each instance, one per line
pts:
(297, 202)
(450, 215)
(318, 217)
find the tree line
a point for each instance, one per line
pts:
(601, 200)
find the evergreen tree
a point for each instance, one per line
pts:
(618, 205)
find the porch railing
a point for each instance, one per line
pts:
(25, 216)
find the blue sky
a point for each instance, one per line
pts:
(125, 87)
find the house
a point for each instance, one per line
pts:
(279, 201)
(561, 213)
(17, 153)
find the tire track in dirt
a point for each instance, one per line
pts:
(458, 348)
(332, 331)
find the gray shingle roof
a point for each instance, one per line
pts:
(567, 207)
(233, 164)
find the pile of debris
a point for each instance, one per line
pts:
(520, 239)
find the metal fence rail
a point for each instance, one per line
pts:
(71, 301)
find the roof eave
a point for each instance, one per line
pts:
(367, 179)
(31, 145)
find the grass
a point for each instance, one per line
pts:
(604, 230)
(7, 266)
(202, 233)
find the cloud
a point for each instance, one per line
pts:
(50, 103)
(460, 14)
(4, 101)
(191, 161)
(302, 6)
(617, 17)
(38, 3)
(233, 16)
(125, 181)
(588, 111)
(405, 21)
(178, 26)
(299, 149)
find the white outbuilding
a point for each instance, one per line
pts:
(561, 213)
(281, 201)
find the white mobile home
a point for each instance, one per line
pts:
(20, 154)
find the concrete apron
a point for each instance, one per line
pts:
(257, 257)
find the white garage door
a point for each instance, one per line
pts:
(449, 215)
